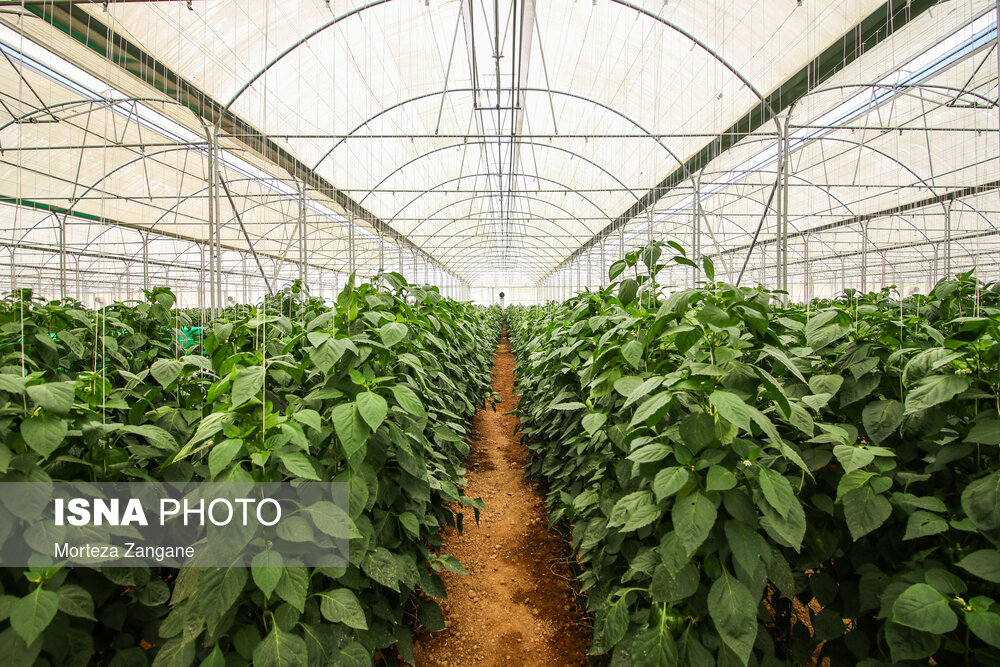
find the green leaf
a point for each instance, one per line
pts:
(655, 647)
(222, 454)
(299, 465)
(55, 397)
(75, 601)
(693, 518)
(853, 458)
(985, 432)
(826, 327)
(294, 586)
(616, 269)
(934, 390)
(984, 563)
(642, 389)
(697, 430)
(733, 611)
(280, 649)
(177, 652)
(249, 383)
(267, 570)
(373, 409)
(922, 607)
(381, 566)
(351, 428)
(709, 268)
(218, 590)
(985, 625)
(408, 400)
(627, 506)
(669, 481)
(632, 353)
(30, 615)
(652, 409)
(882, 419)
(865, 510)
(44, 433)
(214, 659)
(731, 407)
(166, 371)
(627, 291)
(777, 491)
(610, 626)
(922, 524)
(430, 616)
(719, 479)
(593, 421)
(340, 605)
(981, 502)
(309, 418)
(392, 333)
(908, 644)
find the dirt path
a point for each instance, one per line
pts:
(516, 606)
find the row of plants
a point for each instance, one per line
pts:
(751, 482)
(374, 390)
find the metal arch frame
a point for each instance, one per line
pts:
(477, 197)
(95, 35)
(434, 189)
(870, 31)
(547, 91)
(426, 154)
(376, 3)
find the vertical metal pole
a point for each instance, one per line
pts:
(220, 304)
(779, 200)
(201, 278)
(784, 208)
(62, 258)
(695, 226)
(211, 219)
(302, 235)
(883, 269)
(604, 266)
(351, 250)
(947, 242)
(145, 262)
(864, 257)
(807, 287)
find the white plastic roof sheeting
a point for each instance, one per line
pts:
(491, 143)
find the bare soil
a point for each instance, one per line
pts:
(516, 606)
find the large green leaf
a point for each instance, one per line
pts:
(882, 419)
(392, 333)
(267, 570)
(733, 408)
(632, 352)
(934, 390)
(340, 605)
(981, 502)
(655, 646)
(55, 397)
(922, 607)
(734, 612)
(352, 430)
(249, 383)
(44, 433)
(30, 615)
(984, 563)
(693, 517)
(218, 590)
(826, 327)
(372, 408)
(408, 400)
(865, 510)
(280, 649)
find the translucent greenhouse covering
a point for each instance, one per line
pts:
(227, 149)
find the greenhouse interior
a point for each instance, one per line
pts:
(226, 149)
(550, 333)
